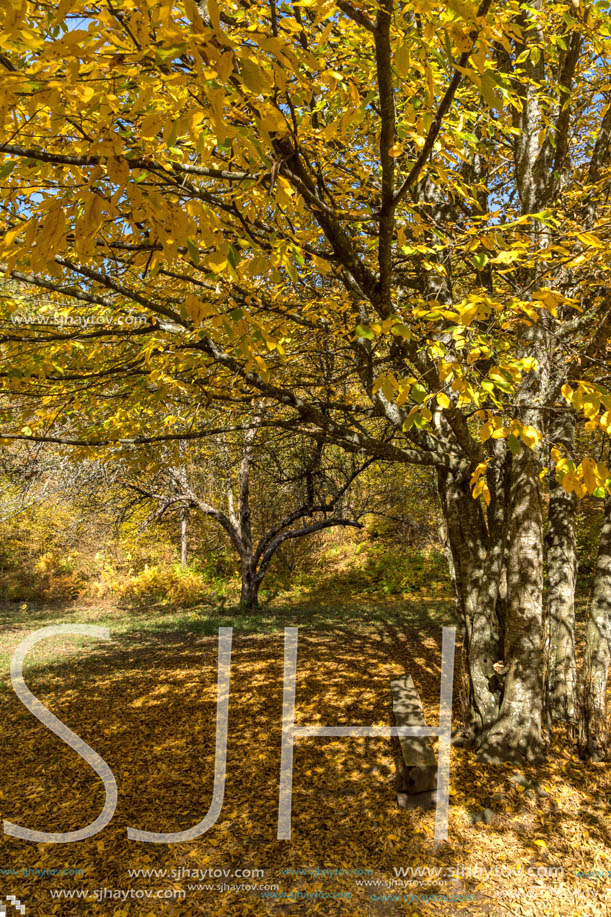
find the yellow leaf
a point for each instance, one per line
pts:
(151, 125)
(402, 60)
(273, 119)
(530, 436)
(485, 432)
(481, 489)
(255, 78)
(430, 80)
(12, 234)
(589, 238)
(214, 13)
(118, 170)
(86, 93)
(550, 299)
(479, 471)
(590, 478)
(507, 257)
(567, 392)
(468, 313)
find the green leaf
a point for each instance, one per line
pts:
(480, 261)
(193, 251)
(233, 256)
(6, 169)
(514, 444)
(418, 393)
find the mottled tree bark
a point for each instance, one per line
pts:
(249, 594)
(517, 732)
(561, 681)
(593, 741)
(476, 559)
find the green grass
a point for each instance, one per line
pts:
(17, 621)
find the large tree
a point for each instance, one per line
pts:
(413, 193)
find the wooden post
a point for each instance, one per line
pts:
(417, 765)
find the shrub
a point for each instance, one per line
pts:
(168, 585)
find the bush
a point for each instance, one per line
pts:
(168, 585)
(50, 577)
(397, 572)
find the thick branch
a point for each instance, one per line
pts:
(244, 481)
(387, 161)
(356, 15)
(308, 509)
(300, 533)
(135, 162)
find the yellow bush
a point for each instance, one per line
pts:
(170, 585)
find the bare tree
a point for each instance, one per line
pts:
(310, 495)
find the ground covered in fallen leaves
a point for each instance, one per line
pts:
(521, 840)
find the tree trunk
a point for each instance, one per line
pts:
(561, 681)
(592, 725)
(249, 596)
(475, 578)
(517, 733)
(183, 538)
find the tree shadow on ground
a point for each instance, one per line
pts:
(147, 703)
